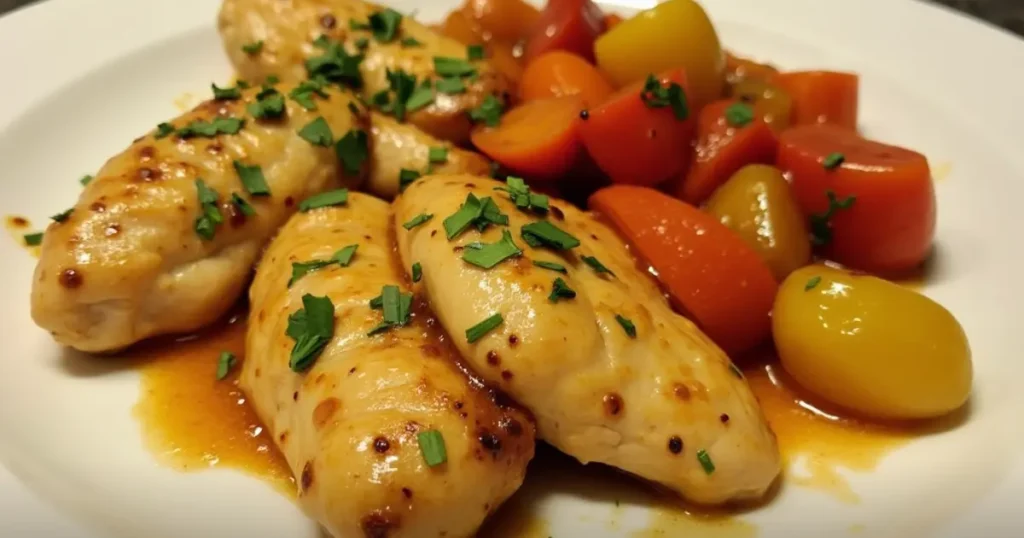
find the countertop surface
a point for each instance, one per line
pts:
(1006, 13)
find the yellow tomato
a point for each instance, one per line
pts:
(757, 204)
(674, 34)
(871, 346)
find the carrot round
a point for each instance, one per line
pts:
(729, 136)
(822, 97)
(539, 139)
(570, 25)
(559, 73)
(709, 271)
(882, 217)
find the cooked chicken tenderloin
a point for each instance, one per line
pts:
(610, 372)
(164, 238)
(355, 422)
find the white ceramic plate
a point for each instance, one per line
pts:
(81, 78)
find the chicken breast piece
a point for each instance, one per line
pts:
(666, 404)
(349, 426)
(130, 261)
(401, 146)
(287, 29)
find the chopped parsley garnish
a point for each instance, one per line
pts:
(417, 220)
(219, 125)
(450, 85)
(354, 109)
(490, 254)
(475, 52)
(432, 447)
(812, 283)
(352, 150)
(821, 226)
(406, 177)
(627, 325)
(543, 233)
(519, 192)
(242, 204)
(33, 240)
(408, 96)
(356, 25)
(226, 94)
(474, 211)
(833, 160)
(303, 93)
(311, 327)
(324, 199)
(269, 104)
(489, 112)
(452, 67)
(210, 217)
(163, 130)
(739, 114)
(301, 269)
(596, 265)
(705, 461)
(317, 132)
(478, 331)
(551, 266)
(335, 64)
(62, 216)
(85, 180)
(224, 364)
(395, 306)
(561, 290)
(271, 80)
(253, 48)
(655, 95)
(437, 155)
(417, 272)
(345, 255)
(410, 42)
(252, 179)
(362, 43)
(384, 25)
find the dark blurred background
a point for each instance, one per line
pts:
(1006, 13)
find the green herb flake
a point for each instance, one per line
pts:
(833, 160)
(242, 204)
(206, 223)
(362, 43)
(543, 233)
(324, 199)
(312, 328)
(417, 272)
(356, 25)
(410, 42)
(86, 179)
(226, 94)
(269, 104)
(417, 220)
(270, 81)
(252, 179)
(432, 447)
(821, 223)
(219, 125)
(812, 283)
(384, 25)
(489, 112)
(437, 155)
(335, 64)
(519, 192)
(656, 95)
(406, 177)
(33, 240)
(396, 307)
(450, 86)
(224, 364)
(475, 52)
(352, 150)
(491, 254)
(705, 461)
(304, 93)
(345, 255)
(63, 215)
(452, 67)
(479, 330)
(317, 132)
(458, 222)
(163, 130)
(253, 48)
(301, 269)
(596, 265)
(739, 114)
(420, 98)
(561, 290)
(491, 214)
(551, 266)
(627, 325)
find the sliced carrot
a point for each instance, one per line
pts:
(570, 25)
(738, 69)
(539, 139)
(499, 53)
(559, 73)
(711, 274)
(723, 147)
(502, 20)
(822, 97)
(635, 143)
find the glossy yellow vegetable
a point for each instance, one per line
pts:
(758, 205)
(674, 34)
(771, 103)
(871, 346)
